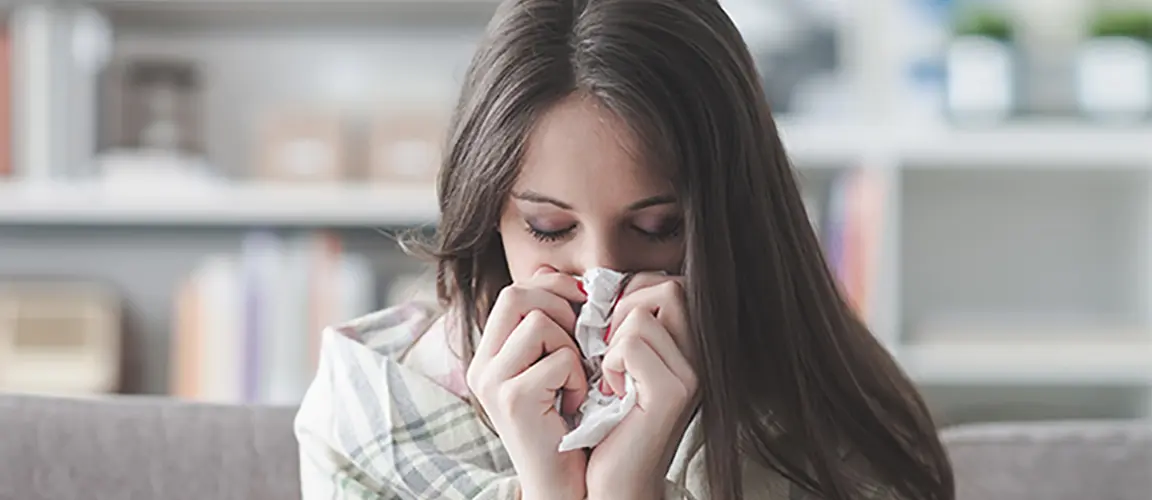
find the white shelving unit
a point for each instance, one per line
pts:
(1038, 219)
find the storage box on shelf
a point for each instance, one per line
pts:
(59, 337)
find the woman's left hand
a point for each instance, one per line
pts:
(650, 339)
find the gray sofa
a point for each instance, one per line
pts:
(144, 448)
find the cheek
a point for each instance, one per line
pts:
(669, 259)
(521, 251)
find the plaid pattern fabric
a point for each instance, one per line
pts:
(372, 427)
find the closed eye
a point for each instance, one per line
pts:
(662, 235)
(549, 236)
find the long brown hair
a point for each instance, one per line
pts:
(790, 376)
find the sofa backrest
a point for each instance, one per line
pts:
(1097, 460)
(144, 448)
(151, 448)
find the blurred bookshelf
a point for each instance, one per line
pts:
(228, 175)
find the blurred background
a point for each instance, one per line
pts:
(191, 189)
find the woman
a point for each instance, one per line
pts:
(631, 135)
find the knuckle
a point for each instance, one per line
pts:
(634, 317)
(478, 384)
(567, 355)
(671, 288)
(691, 383)
(625, 303)
(676, 390)
(554, 279)
(630, 345)
(681, 392)
(510, 397)
(511, 295)
(471, 379)
(535, 320)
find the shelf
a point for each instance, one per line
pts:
(235, 205)
(276, 4)
(1039, 145)
(810, 146)
(1040, 363)
(253, 16)
(273, 7)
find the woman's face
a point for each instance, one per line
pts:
(582, 200)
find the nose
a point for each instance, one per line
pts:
(599, 251)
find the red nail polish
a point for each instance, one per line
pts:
(607, 332)
(580, 285)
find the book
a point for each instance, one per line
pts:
(851, 234)
(247, 325)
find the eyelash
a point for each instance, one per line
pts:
(548, 236)
(554, 236)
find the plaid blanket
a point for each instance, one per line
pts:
(377, 423)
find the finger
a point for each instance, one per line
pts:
(640, 323)
(632, 284)
(640, 281)
(513, 305)
(665, 299)
(564, 285)
(558, 371)
(655, 382)
(535, 337)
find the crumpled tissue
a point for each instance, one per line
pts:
(598, 414)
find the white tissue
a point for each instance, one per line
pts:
(599, 414)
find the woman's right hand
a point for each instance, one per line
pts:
(525, 355)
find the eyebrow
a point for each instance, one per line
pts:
(534, 197)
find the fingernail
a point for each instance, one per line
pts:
(580, 285)
(607, 332)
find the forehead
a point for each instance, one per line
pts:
(582, 148)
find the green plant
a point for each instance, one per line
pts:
(984, 22)
(1122, 23)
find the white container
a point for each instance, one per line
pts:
(59, 338)
(981, 79)
(1114, 79)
